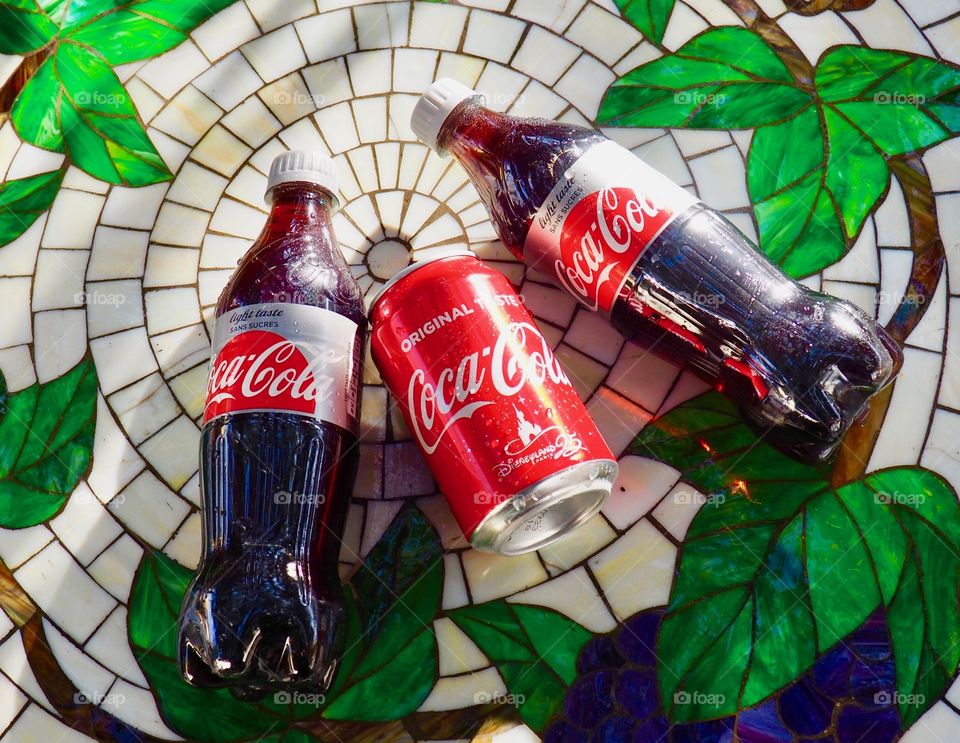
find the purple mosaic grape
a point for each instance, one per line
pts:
(855, 723)
(804, 709)
(614, 730)
(636, 692)
(847, 697)
(590, 699)
(762, 724)
(598, 654)
(637, 639)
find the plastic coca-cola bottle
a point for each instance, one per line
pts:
(278, 454)
(666, 270)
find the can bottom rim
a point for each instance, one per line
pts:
(542, 513)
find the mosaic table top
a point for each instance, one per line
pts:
(724, 592)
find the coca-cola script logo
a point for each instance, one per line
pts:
(519, 357)
(259, 370)
(601, 240)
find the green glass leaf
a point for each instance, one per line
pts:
(390, 664)
(799, 225)
(534, 649)
(702, 85)
(98, 119)
(649, 16)
(23, 27)
(857, 174)
(23, 200)
(394, 688)
(34, 112)
(144, 29)
(46, 443)
(901, 102)
(197, 714)
(73, 13)
(808, 563)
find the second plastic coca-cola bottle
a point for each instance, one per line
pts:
(278, 453)
(666, 270)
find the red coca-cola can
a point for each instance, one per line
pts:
(506, 436)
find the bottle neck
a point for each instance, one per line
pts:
(301, 210)
(474, 134)
(298, 207)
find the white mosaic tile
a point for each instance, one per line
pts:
(275, 54)
(641, 483)
(494, 576)
(903, 443)
(51, 572)
(328, 35)
(187, 117)
(59, 343)
(641, 551)
(149, 509)
(170, 72)
(110, 647)
(382, 25)
(115, 568)
(229, 28)
(437, 26)
(229, 81)
(573, 593)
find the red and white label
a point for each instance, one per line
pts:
(608, 207)
(288, 358)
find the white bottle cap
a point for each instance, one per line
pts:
(435, 106)
(305, 166)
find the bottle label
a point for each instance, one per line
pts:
(605, 210)
(289, 358)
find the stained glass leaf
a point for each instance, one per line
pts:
(901, 102)
(198, 714)
(390, 663)
(98, 119)
(144, 29)
(807, 562)
(23, 200)
(534, 649)
(23, 27)
(702, 85)
(813, 182)
(46, 443)
(34, 112)
(649, 16)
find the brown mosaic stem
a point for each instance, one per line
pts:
(928, 252)
(929, 260)
(79, 714)
(754, 17)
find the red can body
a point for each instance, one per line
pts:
(487, 401)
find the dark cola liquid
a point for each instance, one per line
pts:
(265, 610)
(799, 365)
